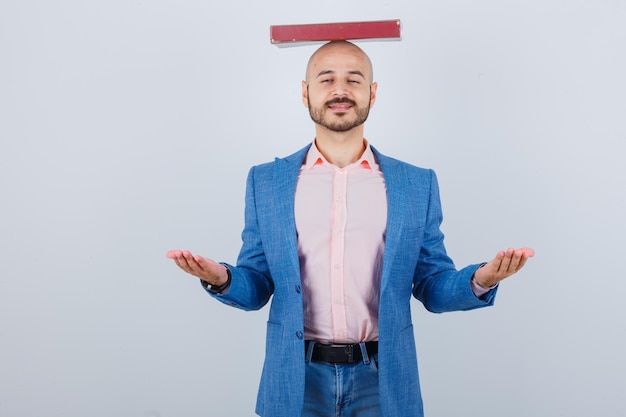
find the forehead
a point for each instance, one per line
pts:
(339, 58)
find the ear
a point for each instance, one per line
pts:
(373, 88)
(305, 94)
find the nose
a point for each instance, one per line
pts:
(340, 90)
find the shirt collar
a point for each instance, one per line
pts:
(314, 157)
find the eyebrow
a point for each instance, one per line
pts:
(352, 72)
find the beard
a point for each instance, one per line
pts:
(344, 124)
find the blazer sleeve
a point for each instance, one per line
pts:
(437, 283)
(251, 286)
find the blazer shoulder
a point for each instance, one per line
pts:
(296, 157)
(388, 163)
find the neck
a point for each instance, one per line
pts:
(340, 148)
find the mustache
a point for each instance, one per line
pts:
(339, 100)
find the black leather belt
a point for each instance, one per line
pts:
(339, 353)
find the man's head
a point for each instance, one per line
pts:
(339, 89)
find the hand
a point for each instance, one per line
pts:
(203, 268)
(502, 266)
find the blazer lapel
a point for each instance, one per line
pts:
(396, 184)
(286, 171)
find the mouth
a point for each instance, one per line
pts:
(340, 105)
(341, 108)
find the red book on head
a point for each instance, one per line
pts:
(320, 32)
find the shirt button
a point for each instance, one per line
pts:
(298, 289)
(299, 335)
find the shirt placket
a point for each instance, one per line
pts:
(337, 252)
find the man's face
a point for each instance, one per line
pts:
(339, 90)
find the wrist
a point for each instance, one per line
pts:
(477, 281)
(218, 289)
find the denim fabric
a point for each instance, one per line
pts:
(342, 390)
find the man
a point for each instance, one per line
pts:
(342, 236)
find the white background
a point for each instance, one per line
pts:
(127, 128)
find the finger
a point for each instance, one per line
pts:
(516, 258)
(192, 263)
(182, 264)
(526, 253)
(173, 254)
(181, 259)
(204, 263)
(521, 263)
(497, 261)
(506, 261)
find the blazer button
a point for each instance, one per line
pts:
(298, 289)
(299, 335)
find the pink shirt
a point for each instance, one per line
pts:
(341, 216)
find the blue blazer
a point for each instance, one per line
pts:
(415, 263)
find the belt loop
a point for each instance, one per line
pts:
(309, 344)
(366, 357)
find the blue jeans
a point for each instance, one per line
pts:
(349, 390)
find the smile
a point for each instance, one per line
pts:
(340, 107)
